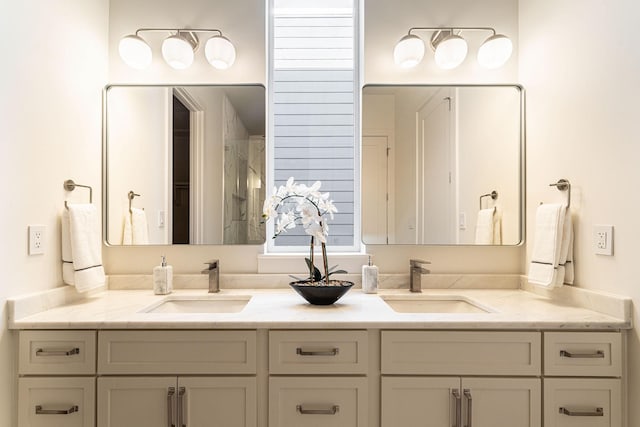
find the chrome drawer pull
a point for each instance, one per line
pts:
(57, 352)
(328, 411)
(170, 393)
(467, 394)
(332, 352)
(456, 395)
(181, 392)
(597, 355)
(40, 411)
(599, 412)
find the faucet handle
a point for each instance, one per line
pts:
(418, 262)
(214, 263)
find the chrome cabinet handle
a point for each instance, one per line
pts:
(332, 352)
(597, 355)
(41, 411)
(599, 412)
(328, 411)
(57, 352)
(170, 393)
(467, 394)
(181, 392)
(456, 395)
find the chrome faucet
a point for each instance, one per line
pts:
(415, 274)
(213, 270)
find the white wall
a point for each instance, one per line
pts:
(579, 61)
(489, 157)
(53, 70)
(138, 156)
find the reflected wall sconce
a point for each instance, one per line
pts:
(178, 49)
(450, 49)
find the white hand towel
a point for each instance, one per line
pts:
(547, 244)
(484, 227)
(67, 257)
(83, 235)
(136, 230)
(497, 227)
(565, 266)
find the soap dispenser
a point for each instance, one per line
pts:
(162, 278)
(369, 278)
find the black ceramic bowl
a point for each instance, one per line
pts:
(322, 294)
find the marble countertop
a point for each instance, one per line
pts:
(511, 309)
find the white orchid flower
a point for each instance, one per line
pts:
(316, 230)
(285, 221)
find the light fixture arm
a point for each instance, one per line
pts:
(188, 33)
(177, 30)
(452, 29)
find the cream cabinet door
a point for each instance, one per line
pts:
(56, 402)
(409, 401)
(318, 402)
(492, 402)
(217, 401)
(136, 401)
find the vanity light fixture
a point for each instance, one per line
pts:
(450, 49)
(178, 49)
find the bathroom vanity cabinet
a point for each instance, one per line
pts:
(344, 378)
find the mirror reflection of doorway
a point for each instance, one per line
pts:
(181, 172)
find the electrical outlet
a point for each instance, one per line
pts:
(603, 239)
(36, 239)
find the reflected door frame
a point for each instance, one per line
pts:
(390, 179)
(196, 159)
(445, 220)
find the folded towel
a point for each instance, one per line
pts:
(547, 244)
(82, 247)
(136, 231)
(565, 262)
(485, 227)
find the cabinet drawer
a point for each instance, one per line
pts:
(57, 353)
(461, 353)
(56, 402)
(318, 352)
(593, 354)
(314, 401)
(177, 352)
(581, 402)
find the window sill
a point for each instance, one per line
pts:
(295, 264)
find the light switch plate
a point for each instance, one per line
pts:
(603, 239)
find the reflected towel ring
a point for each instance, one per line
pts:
(493, 195)
(131, 195)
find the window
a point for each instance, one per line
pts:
(313, 97)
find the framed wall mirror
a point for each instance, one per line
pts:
(443, 165)
(184, 164)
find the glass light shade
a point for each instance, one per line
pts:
(450, 52)
(409, 51)
(495, 51)
(177, 52)
(135, 52)
(220, 52)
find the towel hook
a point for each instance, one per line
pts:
(493, 195)
(564, 185)
(131, 195)
(69, 185)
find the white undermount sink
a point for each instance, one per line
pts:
(199, 304)
(433, 304)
